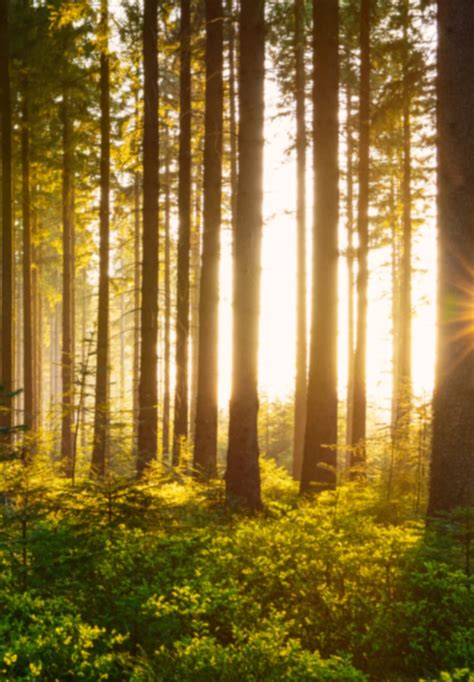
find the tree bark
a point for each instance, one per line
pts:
(101, 414)
(67, 351)
(403, 388)
(184, 237)
(232, 114)
(6, 380)
(452, 464)
(167, 292)
(28, 338)
(359, 416)
(301, 343)
(350, 273)
(243, 474)
(148, 388)
(205, 450)
(195, 294)
(319, 462)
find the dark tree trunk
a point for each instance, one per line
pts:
(301, 344)
(319, 462)
(28, 346)
(232, 114)
(167, 288)
(148, 389)
(195, 295)
(359, 415)
(243, 474)
(350, 272)
(184, 238)
(205, 450)
(67, 351)
(403, 387)
(452, 464)
(6, 379)
(101, 415)
(136, 307)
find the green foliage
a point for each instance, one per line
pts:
(157, 580)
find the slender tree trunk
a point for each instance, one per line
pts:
(136, 305)
(184, 238)
(319, 462)
(6, 379)
(205, 451)
(301, 344)
(148, 389)
(67, 352)
(232, 115)
(403, 397)
(452, 463)
(359, 416)
(243, 474)
(350, 272)
(195, 295)
(101, 415)
(167, 287)
(28, 349)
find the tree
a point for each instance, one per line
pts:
(102, 371)
(67, 349)
(452, 465)
(301, 344)
(319, 461)
(359, 407)
(147, 390)
(7, 228)
(184, 239)
(205, 450)
(243, 475)
(28, 336)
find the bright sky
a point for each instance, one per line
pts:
(278, 316)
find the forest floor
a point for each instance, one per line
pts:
(160, 581)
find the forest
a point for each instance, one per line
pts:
(237, 340)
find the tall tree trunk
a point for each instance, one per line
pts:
(359, 417)
(232, 114)
(184, 238)
(319, 462)
(136, 306)
(403, 396)
(101, 415)
(195, 293)
(350, 272)
(148, 389)
(452, 464)
(67, 351)
(205, 450)
(301, 344)
(167, 288)
(6, 379)
(243, 474)
(28, 349)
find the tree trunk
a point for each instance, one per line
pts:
(452, 464)
(101, 415)
(301, 344)
(359, 416)
(350, 273)
(232, 114)
(243, 474)
(184, 238)
(67, 352)
(195, 293)
(148, 389)
(319, 462)
(28, 348)
(6, 379)
(403, 389)
(167, 287)
(205, 451)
